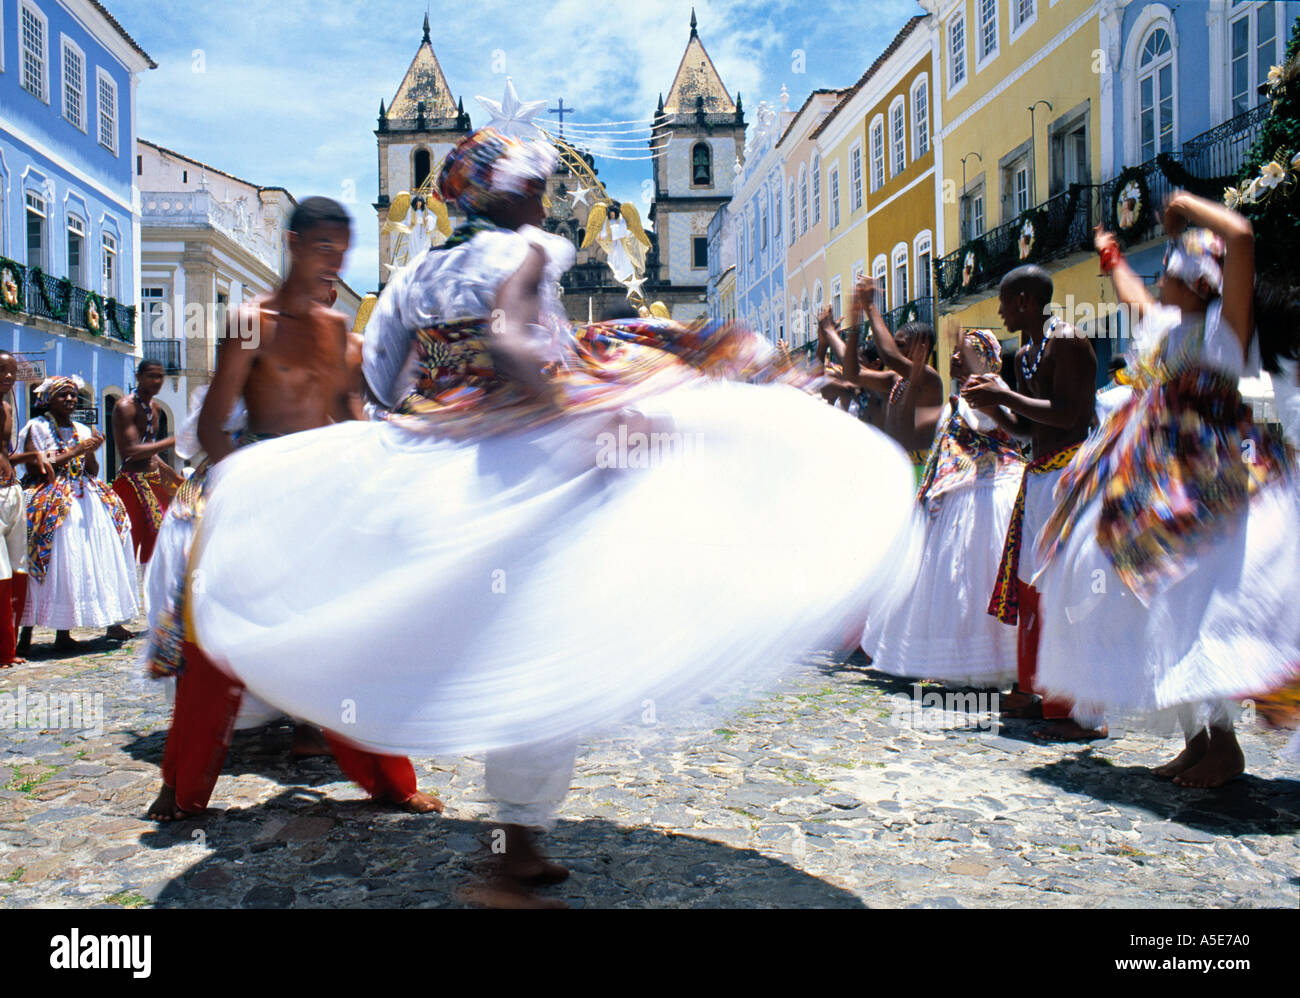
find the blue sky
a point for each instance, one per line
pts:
(287, 94)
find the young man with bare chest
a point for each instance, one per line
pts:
(286, 355)
(145, 482)
(1053, 405)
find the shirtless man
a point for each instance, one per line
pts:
(145, 482)
(1053, 405)
(13, 519)
(287, 355)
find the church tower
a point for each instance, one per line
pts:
(419, 127)
(702, 131)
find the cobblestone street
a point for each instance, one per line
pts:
(823, 794)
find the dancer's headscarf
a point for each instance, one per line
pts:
(50, 387)
(487, 169)
(987, 349)
(1196, 254)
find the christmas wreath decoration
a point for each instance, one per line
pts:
(974, 265)
(1031, 235)
(11, 286)
(94, 313)
(1131, 203)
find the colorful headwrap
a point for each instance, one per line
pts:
(987, 347)
(1195, 254)
(50, 387)
(488, 168)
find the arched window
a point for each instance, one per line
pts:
(776, 209)
(1156, 94)
(816, 188)
(421, 168)
(902, 287)
(702, 165)
(803, 200)
(793, 229)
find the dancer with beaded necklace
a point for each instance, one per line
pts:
(145, 483)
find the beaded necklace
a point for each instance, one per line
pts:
(77, 465)
(1025, 369)
(147, 405)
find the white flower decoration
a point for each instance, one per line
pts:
(1272, 175)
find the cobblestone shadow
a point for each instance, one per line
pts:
(302, 850)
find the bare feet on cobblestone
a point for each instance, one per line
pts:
(308, 741)
(1067, 730)
(1222, 761)
(512, 874)
(64, 641)
(17, 660)
(422, 803)
(164, 808)
(119, 633)
(1020, 706)
(1191, 754)
(24, 642)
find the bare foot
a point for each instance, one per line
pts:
(422, 803)
(1223, 761)
(118, 633)
(1191, 754)
(308, 741)
(502, 892)
(64, 641)
(16, 660)
(1067, 730)
(164, 808)
(1020, 706)
(522, 860)
(24, 641)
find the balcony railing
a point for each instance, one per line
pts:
(56, 298)
(917, 310)
(1058, 226)
(165, 352)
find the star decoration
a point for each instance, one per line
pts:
(513, 117)
(634, 285)
(580, 195)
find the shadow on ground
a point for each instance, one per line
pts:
(302, 850)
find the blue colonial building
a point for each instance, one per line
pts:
(69, 228)
(1183, 96)
(756, 215)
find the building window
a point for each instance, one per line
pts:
(421, 168)
(74, 85)
(702, 165)
(1253, 53)
(776, 211)
(803, 200)
(897, 138)
(972, 215)
(76, 251)
(855, 178)
(988, 34)
(109, 289)
(835, 196)
(816, 188)
(794, 230)
(880, 274)
(901, 286)
(924, 266)
(921, 118)
(1022, 15)
(1016, 189)
(877, 155)
(107, 112)
(1156, 94)
(957, 51)
(32, 50)
(700, 253)
(753, 236)
(762, 224)
(153, 313)
(836, 310)
(36, 241)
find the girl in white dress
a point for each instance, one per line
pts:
(1170, 576)
(967, 493)
(81, 563)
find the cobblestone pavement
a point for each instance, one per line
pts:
(823, 793)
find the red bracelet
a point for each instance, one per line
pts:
(1110, 257)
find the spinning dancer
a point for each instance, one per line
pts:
(1169, 577)
(467, 529)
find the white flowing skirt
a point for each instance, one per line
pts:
(1228, 628)
(424, 595)
(944, 630)
(91, 578)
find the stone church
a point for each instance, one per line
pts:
(700, 127)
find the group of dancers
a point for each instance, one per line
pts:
(404, 541)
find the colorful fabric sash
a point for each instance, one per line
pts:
(1182, 455)
(1005, 602)
(962, 455)
(142, 485)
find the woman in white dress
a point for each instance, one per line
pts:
(1170, 576)
(967, 492)
(81, 563)
(546, 534)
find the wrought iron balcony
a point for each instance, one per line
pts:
(36, 293)
(917, 310)
(1060, 225)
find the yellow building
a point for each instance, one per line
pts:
(877, 154)
(1019, 97)
(805, 221)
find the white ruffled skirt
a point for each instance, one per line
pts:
(1229, 627)
(944, 630)
(421, 595)
(91, 577)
